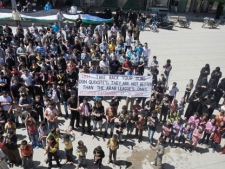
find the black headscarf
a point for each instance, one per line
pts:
(218, 69)
(207, 67)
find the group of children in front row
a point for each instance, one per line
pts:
(196, 130)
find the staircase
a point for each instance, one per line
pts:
(131, 4)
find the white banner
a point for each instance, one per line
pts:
(114, 85)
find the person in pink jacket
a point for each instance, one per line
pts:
(210, 128)
(196, 136)
(194, 121)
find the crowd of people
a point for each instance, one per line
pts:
(39, 73)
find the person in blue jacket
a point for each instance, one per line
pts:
(55, 27)
(48, 6)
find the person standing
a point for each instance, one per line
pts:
(60, 18)
(51, 151)
(81, 155)
(86, 109)
(51, 114)
(12, 150)
(98, 113)
(159, 153)
(172, 91)
(26, 154)
(146, 54)
(16, 16)
(111, 115)
(113, 145)
(99, 154)
(72, 105)
(167, 68)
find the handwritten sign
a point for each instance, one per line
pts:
(114, 85)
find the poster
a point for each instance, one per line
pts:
(114, 85)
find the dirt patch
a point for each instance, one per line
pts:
(141, 158)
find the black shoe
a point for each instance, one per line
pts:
(81, 134)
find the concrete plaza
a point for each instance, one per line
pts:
(189, 50)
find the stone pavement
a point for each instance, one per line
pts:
(189, 50)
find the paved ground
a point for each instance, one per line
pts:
(189, 49)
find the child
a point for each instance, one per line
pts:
(203, 120)
(159, 153)
(194, 121)
(32, 131)
(16, 109)
(98, 156)
(38, 106)
(177, 126)
(181, 106)
(197, 135)
(166, 129)
(113, 145)
(43, 133)
(51, 150)
(210, 128)
(189, 87)
(26, 154)
(174, 105)
(69, 131)
(68, 148)
(217, 136)
(173, 116)
(81, 154)
(185, 134)
(152, 123)
(120, 126)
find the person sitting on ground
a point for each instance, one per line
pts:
(48, 6)
(73, 10)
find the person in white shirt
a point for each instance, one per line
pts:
(73, 10)
(86, 109)
(128, 41)
(114, 29)
(51, 114)
(33, 28)
(146, 54)
(6, 102)
(104, 65)
(27, 78)
(172, 91)
(104, 46)
(154, 64)
(99, 29)
(60, 18)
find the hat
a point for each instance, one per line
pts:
(10, 131)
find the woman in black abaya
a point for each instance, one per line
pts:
(194, 102)
(209, 105)
(215, 75)
(205, 71)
